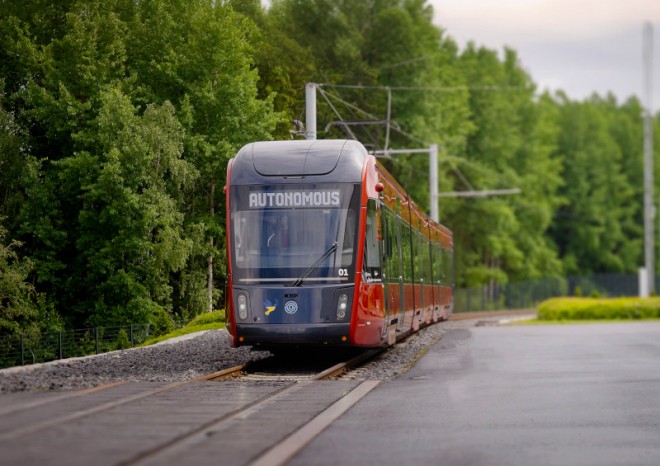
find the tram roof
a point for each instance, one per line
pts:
(333, 160)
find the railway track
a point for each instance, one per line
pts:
(253, 391)
(257, 413)
(266, 370)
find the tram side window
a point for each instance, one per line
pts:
(387, 243)
(421, 257)
(450, 267)
(418, 258)
(427, 252)
(349, 240)
(437, 264)
(415, 254)
(371, 253)
(406, 251)
(392, 258)
(446, 266)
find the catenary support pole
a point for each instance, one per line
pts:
(310, 111)
(649, 249)
(433, 181)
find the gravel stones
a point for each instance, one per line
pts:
(184, 359)
(201, 354)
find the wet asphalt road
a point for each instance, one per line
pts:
(542, 395)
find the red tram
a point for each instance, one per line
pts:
(325, 248)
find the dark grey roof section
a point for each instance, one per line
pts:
(281, 158)
(335, 160)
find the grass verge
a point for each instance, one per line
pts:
(533, 322)
(599, 309)
(207, 321)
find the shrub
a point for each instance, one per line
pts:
(162, 322)
(209, 318)
(122, 340)
(599, 309)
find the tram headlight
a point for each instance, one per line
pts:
(242, 306)
(342, 306)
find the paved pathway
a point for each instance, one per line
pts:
(542, 395)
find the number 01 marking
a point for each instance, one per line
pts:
(343, 272)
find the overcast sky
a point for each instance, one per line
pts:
(580, 46)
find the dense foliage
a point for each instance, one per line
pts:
(118, 117)
(118, 121)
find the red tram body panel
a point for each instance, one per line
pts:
(325, 248)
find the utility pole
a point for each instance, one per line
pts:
(649, 249)
(433, 181)
(310, 111)
(310, 134)
(433, 172)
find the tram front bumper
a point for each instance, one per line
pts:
(294, 334)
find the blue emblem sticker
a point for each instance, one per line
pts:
(291, 307)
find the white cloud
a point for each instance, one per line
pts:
(542, 20)
(580, 46)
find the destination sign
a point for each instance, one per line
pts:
(312, 198)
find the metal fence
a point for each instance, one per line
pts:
(49, 346)
(526, 295)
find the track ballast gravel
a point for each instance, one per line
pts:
(208, 352)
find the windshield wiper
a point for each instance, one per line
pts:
(309, 270)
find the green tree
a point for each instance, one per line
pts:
(58, 57)
(131, 234)
(16, 166)
(131, 111)
(198, 55)
(18, 300)
(501, 239)
(593, 229)
(284, 65)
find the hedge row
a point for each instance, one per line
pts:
(599, 309)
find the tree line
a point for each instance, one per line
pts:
(118, 117)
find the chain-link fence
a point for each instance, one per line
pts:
(48, 346)
(526, 295)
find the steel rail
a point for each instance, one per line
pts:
(235, 371)
(342, 367)
(183, 439)
(286, 449)
(307, 431)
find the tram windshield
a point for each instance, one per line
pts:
(294, 234)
